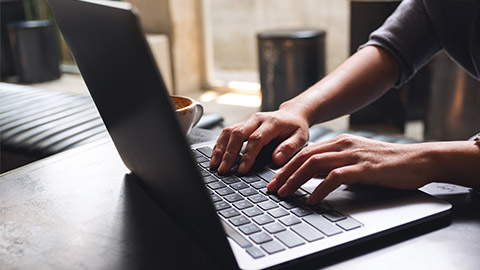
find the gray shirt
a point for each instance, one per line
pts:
(419, 29)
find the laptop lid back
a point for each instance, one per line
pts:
(111, 51)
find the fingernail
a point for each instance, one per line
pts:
(221, 168)
(271, 185)
(212, 165)
(242, 167)
(280, 157)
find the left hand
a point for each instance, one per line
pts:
(349, 159)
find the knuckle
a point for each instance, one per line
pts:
(227, 130)
(315, 159)
(290, 146)
(345, 140)
(237, 132)
(258, 115)
(306, 152)
(255, 138)
(338, 175)
(274, 120)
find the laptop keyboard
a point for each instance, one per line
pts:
(261, 222)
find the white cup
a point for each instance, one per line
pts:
(188, 112)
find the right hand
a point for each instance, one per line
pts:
(288, 126)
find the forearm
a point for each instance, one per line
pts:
(456, 162)
(361, 79)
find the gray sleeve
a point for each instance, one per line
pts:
(409, 36)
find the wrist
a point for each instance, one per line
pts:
(295, 107)
(456, 162)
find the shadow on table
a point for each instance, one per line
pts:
(151, 239)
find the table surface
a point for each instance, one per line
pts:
(80, 210)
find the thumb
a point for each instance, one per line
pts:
(288, 148)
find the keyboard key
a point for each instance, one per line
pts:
(278, 212)
(249, 229)
(216, 185)
(209, 179)
(289, 204)
(334, 216)
(204, 173)
(233, 197)
(257, 198)
(215, 197)
(299, 193)
(263, 219)
(264, 191)
(248, 192)
(255, 252)
(239, 220)
(242, 204)
(224, 191)
(267, 175)
(221, 205)
(320, 208)
(322, 224)
(196, 154)
(239, 186)
(205, 164)
(252, 211)
(302, 200)
(250, 178)
(229, 212)
(289, 239)
(275, 197)
(274, 228)
(207, 151)
(301, 212)
(201, 159)
(349, 224)
(267, 205)
(290, 220)
(230, 180)
(223, 176)
(259, 185)
(307, 232)
(260, 237)
(272, 247)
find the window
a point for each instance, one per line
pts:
(230, 29)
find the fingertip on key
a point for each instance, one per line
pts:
(271, 186)
(242, 168)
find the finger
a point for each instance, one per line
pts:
(289, 147)
(238, 135)
(256, 141)
(232, 150)
(306, 165)
(295, 163)
(286, 172)
(312, 166)
(219, 148)
(344, 175)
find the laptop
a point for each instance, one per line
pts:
(231, 217)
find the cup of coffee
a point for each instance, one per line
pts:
(188, 112)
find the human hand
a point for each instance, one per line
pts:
(349, 159)
(286, 125)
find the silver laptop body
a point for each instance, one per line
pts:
(110, 49)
